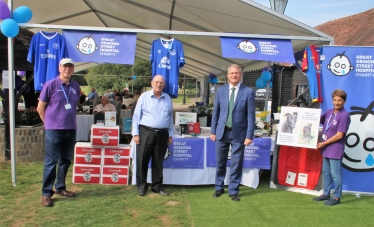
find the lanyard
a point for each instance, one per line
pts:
(66, 96)
(329, 123)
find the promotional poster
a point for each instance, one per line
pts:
(351, 69)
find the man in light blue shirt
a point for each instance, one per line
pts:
(92, 95)
(152, 132)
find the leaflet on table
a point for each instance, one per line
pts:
(299, 127)
(185, 153)
(256, 155)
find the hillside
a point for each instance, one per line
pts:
(355, 30)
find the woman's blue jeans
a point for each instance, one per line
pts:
(332, 173)
(59, 149)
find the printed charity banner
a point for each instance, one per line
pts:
(299, 127)
(277, 50)
(351, 68)
(185, 117)
(103, 47)
(185, 153)
(257, 155)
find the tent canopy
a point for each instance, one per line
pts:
(196, 23)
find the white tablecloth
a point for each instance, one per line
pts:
(84, 123)
(125, 113)
(206, 175)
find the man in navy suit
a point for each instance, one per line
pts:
(233, 124)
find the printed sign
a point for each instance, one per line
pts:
(185, 153)
(185, 117)
(275, 50)
(351, 69)
(299, 127)
(104, 47)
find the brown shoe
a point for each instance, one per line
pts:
(47, 201)
(65, 193)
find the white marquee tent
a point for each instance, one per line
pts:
(198, 24)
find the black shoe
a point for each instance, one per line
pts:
(142, 190)
(321, 198)
(161, 191)
(235, 197)
(218, 193)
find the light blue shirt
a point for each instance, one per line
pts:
(153, 112)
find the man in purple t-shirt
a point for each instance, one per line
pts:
(57, 108)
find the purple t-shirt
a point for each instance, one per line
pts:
(338, 122)
(56, 116)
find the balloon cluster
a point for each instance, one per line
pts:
(213, 79)
(263, 80)
(9, 26)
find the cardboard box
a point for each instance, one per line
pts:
(103, 136)
(110, 119)
(114, 175)
(116, 156)
(86, 174)
(85, 154)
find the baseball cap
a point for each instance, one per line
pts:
(65, 61)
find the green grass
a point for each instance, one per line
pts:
(99, 205)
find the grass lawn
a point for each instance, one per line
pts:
(99, 205)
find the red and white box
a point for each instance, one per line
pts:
(102, 136)
(114, 175)
(85, 154)
(116, 156)
(86, 174)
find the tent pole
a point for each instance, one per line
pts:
(267, 90)
(11, 100)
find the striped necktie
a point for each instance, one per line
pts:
(231, 106)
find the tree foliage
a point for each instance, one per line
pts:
(116, 76)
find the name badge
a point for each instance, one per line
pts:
(67, 106)
(324, 137)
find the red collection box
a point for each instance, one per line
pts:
(85, 154)
(86, 174)
(116, 156)
(102, 136)
(114, 175)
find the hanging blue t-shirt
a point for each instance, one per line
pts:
(46, 50)
(167, 57)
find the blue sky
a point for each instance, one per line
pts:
(316, 12)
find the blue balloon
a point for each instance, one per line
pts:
(9, 28)
(22, 14)
(133, 77)
(260, 83)
(266, 76)
(215, 80)
(271, 84)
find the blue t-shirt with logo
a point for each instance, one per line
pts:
(167, 57)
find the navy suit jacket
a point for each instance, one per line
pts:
(243, 114)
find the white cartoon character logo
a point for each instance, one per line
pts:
(88, 157)
(87, 45)
(340, 65)
(87, 176)
(247, 47)
(115, 177)
(359, 150)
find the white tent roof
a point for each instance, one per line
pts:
(196, 23)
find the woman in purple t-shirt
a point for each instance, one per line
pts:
(335, 126)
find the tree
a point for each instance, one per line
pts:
(115, 76)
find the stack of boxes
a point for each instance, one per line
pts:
(104, 160)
